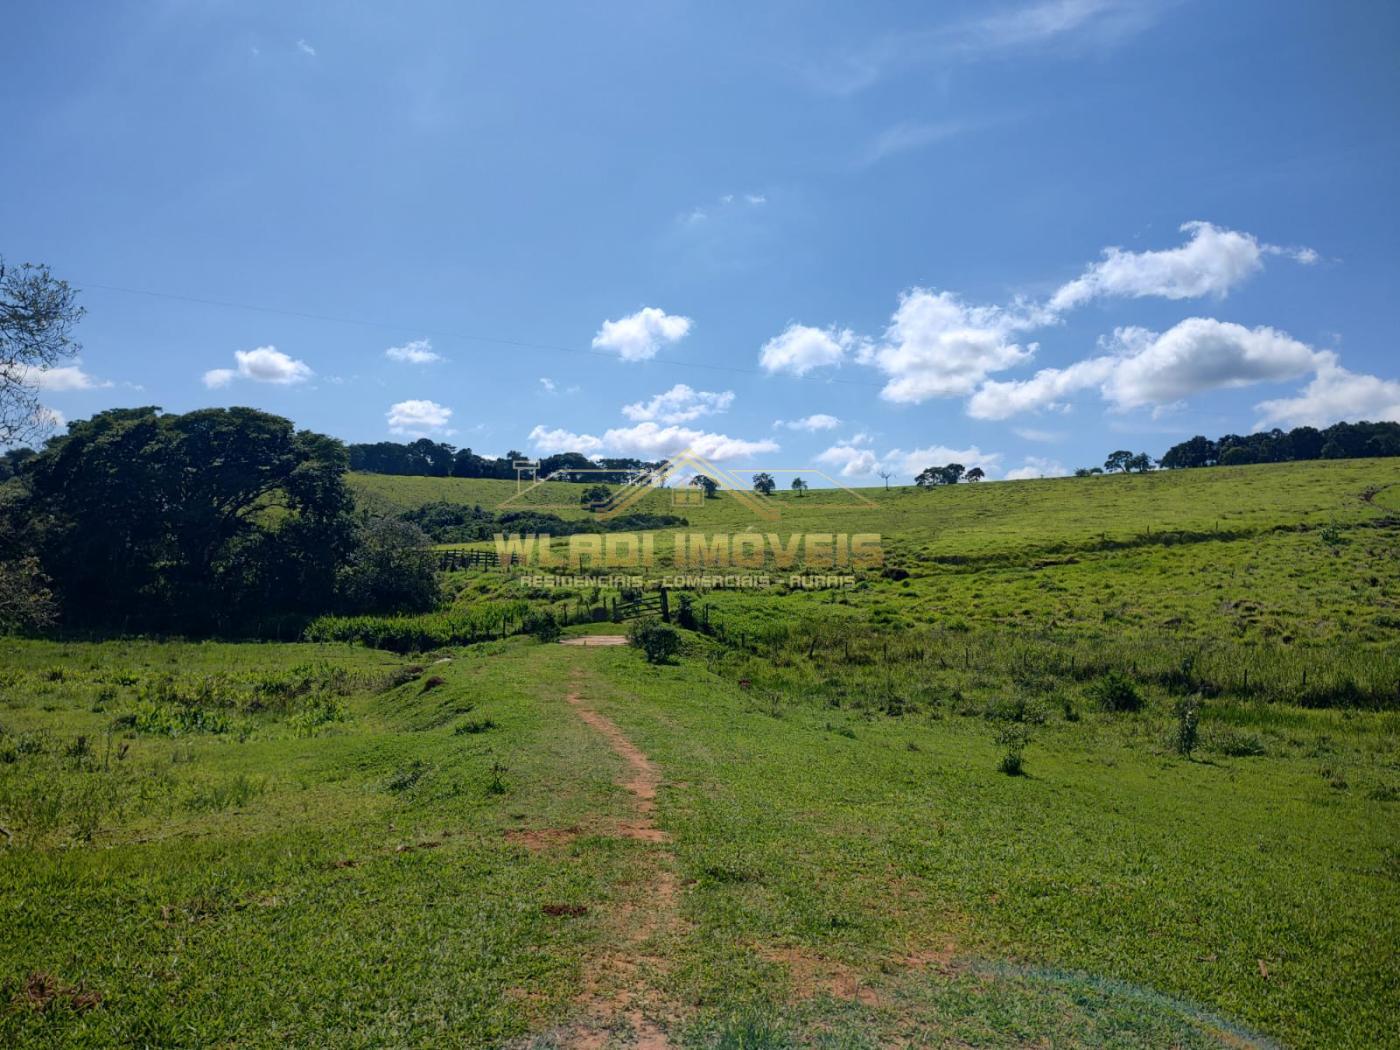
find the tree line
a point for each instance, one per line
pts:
(436, 459)
(1339, 441)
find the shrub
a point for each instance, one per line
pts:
(1188, 720)
(658, 642)
(1235, 743)
(542, 626)
(1115, 691)
(1013, 736)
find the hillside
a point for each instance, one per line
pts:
(1296, 551)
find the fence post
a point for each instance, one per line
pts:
(665, 607)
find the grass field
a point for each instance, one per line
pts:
(799, 834)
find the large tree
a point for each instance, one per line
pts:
(212, 520)
(37, 315)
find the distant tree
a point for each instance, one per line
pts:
(1197, 452)
(950, 474)
(595, 496)
(799, 486)
(1305, 443)
(1333, 450)
(1118, 461)
(38, 313)
(975, 474)
(1086, 472)
(1140, 463)
(764, 483)
(886, 475)
(709, 484)
(1236, 456)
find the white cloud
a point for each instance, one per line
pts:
(858, 462)
(1045, 436)
(550, 440)
(852, 462)
(1049, 21)
(418, 352)
(812, 423)
(1212, 262)
(906, 136)
(1037, 467)
(938, 346)
(680, 404)
(755, 199)
(305, 48)
(266, 364)
(648, 440)
(418, 418)
(1334, 395)
(801, 348)
(1148, 368)
(1201, 354)
(1047, 389)
(913, 462)
(63, 378)
(639, 336)
(548, 385)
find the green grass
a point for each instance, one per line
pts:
(324, 844)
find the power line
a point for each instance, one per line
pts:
(518, 344)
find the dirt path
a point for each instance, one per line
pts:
(595, 639)
(616, 995)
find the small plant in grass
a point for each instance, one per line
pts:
(433, 683)
(658, 642)
(1013, 737)
(408, 776)
(473, 726)
(497, 786)
(1115, 691)
(1188, 721)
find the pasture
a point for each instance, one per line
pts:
(804, 831)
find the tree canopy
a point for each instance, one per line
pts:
(208, 521)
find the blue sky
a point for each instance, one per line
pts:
(854, 237)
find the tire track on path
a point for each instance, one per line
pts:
(618, 995)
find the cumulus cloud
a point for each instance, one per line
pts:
(1149, 368)
(266, 364)
(801, 348)
(855, 461)
(1334, 395)
(1212, 262)
(648, 440)
(418, 352)
(548, 385)
(640, 336)
(850, 460)
(1037, 467)
(306, 49)
(938, 346)
(418, 418)
(811, 424)
(63, 378)
(680, 404)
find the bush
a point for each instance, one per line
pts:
(1115, 691)
(542, 626)
(1013, 736)
(1188, 720)
(658, 642)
